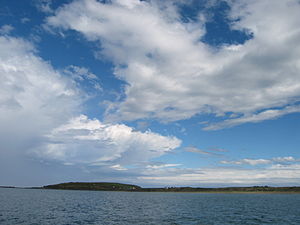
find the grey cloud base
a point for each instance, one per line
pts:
(41, 125)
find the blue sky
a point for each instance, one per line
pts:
(156, 93)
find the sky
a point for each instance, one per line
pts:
(200, 93)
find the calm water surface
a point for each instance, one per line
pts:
(28, 207)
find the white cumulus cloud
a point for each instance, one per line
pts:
(41, 126)
(91, 142)
(171, 75)
(34, 97)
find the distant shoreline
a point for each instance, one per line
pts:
(105, 186)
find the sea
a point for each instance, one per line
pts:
(39, 207)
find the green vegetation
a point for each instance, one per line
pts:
(99, 186)
(225, 190)
(103, 186)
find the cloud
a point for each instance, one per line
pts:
(6, 29)
(277, 175)
(171, 75)
(39, 140)
(41, 129)
(34, 98)
(287, 159)
(118, 167)
(161, 165)
(254, 162)
(91, 142)
(217, 149)
(25, 20)
(254, 118)
(81, 75)
(44, 6)
(199, 151)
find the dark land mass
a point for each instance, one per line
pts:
(7, 187)
(99, 186)
(103, 186)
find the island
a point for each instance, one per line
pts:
(105, 186)
(96, 186)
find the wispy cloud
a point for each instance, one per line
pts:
(80, 73)
(217, 149)
(118, 167)
(6, 29)
(44, 5)
(254, 162)
(162, 165)
(254, 118)
(25, 20)
(211, 152)
(83, 74)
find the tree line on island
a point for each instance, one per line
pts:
(105, 186)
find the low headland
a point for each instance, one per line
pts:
(104, 186)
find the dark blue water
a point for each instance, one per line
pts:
(20, 206)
